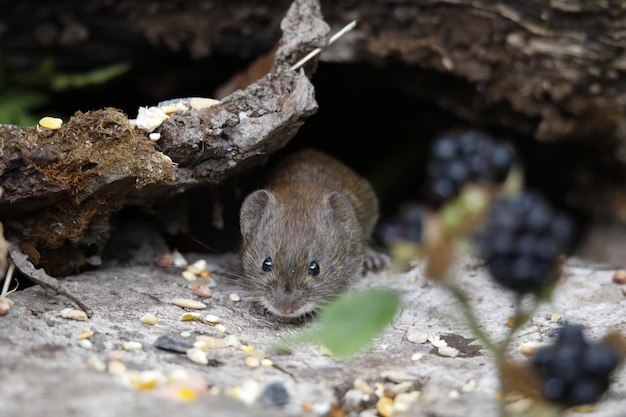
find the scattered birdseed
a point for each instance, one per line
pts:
(248, 393)
(96, 364)
(397, 376)
(362, 386)
(189, 276)
(454, 394)
(275, 394)
(556, 317)
(154, 136)
(324, 351)
(197, 355)
(266, 363)
(510, 321)
(220, 328)
(172, 345)
(52, 123)
(212, 342)
(417, 336)
(85, 343)
(384, 406)
(185, 333)
(149, 318)
(234, 297)
(85, 334)
(177, 375)
(198, 103)
(404, 400)
(531, 347)
(149, 118)
(178, 259)
(197, 267)
(252, 362)
(584, 409)
(232, 340)
(188, 303)
(469, 386)
(190, 316)
(201, 290)
(73, 314)
(448, 351)
(519, 407)
(619, 276)
(116, 367)
(417, 356)
(146, 380)
(131, 345)
(249, 349)
(213, 319)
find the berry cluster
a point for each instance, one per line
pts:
(573, 371)
(521, 240)
(458, 159)
(406, 225)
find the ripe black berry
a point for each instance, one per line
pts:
(406, 225)
(573, 371)
(457, 159)
(521, 240)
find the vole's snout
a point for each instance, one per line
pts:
(285, 304)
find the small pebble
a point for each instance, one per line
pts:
(556, 317)
(201, 290)
(172, 345)
(178, 259)
(188, 303)
(220, 328)
(154, 136)
(275, 394)
(5, 305)
(149, 318)
(619, 276)
(198, 355)
(85, 343)
(73, 314)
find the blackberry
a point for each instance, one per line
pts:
(406, 225)
(457, 159)
(573, 371)
(521, 240)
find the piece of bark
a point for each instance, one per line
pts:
(61, 186)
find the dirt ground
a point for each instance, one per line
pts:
(46, 369)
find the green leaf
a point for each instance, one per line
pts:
(350, 322)
(98, 76)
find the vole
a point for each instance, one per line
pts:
(304, 236)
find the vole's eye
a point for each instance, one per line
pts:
(314, 269)
(268, 264)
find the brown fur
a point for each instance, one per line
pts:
(314, 209)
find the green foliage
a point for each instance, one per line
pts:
(22, 93)
(350, 322)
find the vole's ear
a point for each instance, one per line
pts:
(336, 207)
(257, 206)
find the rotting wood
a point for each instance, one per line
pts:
(61, 186)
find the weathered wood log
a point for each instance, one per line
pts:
(61, 186)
